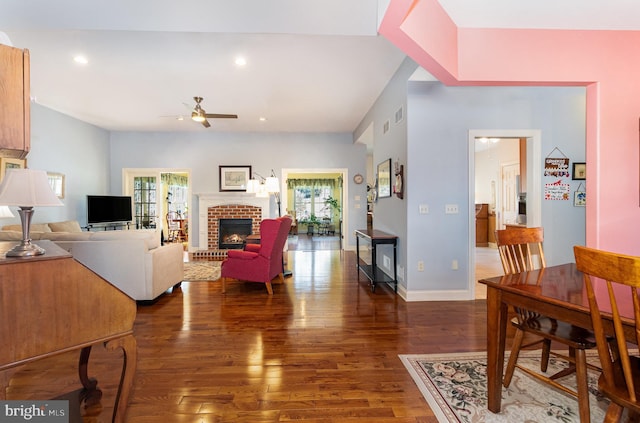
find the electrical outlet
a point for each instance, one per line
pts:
(401, 273)
(451, 209)
(386, 262)
(424, 209)
(454, 265)
(420, 266)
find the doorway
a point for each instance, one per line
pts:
(156, 192)
(501, 192)
(316, 199)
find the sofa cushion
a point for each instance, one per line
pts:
(151, 237)
(66, 226)
(35, 227)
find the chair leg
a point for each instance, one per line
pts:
(269, 288)
(513, 357)
(583, 388)
(614, 413)
(280, 277)
(546, 351)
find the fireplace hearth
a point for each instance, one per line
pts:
(232, 233)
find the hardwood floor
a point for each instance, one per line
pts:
(487, 265)
(323, 348)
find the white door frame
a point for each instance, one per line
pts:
(127, 184)
(345, 192)
(534, 185)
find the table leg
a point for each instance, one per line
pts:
(90, 393)
(374, 266)
(496, 338)
(130, 350)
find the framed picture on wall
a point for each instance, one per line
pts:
(579, 171)
(9, 163)
(384, 179)
(234, 178)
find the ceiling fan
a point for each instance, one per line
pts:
(200, 115)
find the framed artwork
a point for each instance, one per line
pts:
(579, 171)
(579, 198)
(234, 178)
(384, 179)
(56, 180)
(9, 163)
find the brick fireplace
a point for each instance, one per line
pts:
(213, 207)
(226, 212)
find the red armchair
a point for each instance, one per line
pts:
(259, 262)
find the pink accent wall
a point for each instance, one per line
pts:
(606, 62)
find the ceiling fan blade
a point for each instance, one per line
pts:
(206, 123)
(220, 116)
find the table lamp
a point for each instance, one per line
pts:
(26, 188)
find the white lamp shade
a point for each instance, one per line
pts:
(253, 186)
(272, 184)
(27, 188)
(5, 212)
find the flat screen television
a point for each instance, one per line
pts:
(108, 209)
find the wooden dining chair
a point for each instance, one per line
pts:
(521, 250)
(617, 279)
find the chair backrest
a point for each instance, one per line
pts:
(171, 220)
(273, 235)
(518, 248)
(616, 271)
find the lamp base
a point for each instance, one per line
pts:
(25, 249)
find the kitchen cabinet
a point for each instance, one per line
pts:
(482, 225)
(15, 116)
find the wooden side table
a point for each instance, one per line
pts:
(371, 270)
(90, 312)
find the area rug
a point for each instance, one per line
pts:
(455, 386)
(201, 270)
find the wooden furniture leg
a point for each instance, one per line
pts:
(496, 338)
(129, 347)
(90, 393)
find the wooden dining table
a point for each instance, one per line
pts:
(557, 292)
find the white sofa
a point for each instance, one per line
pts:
(131, 260)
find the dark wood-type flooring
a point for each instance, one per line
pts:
(323, 348)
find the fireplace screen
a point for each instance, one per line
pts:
(233, 232)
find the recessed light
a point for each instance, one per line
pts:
(263, 119)
(241, 61)
(81, 60)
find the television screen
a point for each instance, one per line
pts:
(108, 208)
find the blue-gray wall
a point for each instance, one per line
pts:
(203, 152)
(76, 149)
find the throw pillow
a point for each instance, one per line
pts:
(67, 226)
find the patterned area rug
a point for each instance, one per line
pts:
(202, 270)
(455, 386)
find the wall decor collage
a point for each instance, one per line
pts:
(557, 168)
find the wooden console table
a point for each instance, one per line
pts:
(371, 270)
(63, 305)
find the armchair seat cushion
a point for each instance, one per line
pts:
(242, 255)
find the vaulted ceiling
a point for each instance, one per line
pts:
(311, 65)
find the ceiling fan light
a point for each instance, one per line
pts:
(198, 116)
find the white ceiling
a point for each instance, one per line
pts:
(312, 65)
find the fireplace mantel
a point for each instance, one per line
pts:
(206, 200)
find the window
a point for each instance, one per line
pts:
(144, 197)
(311, 200)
